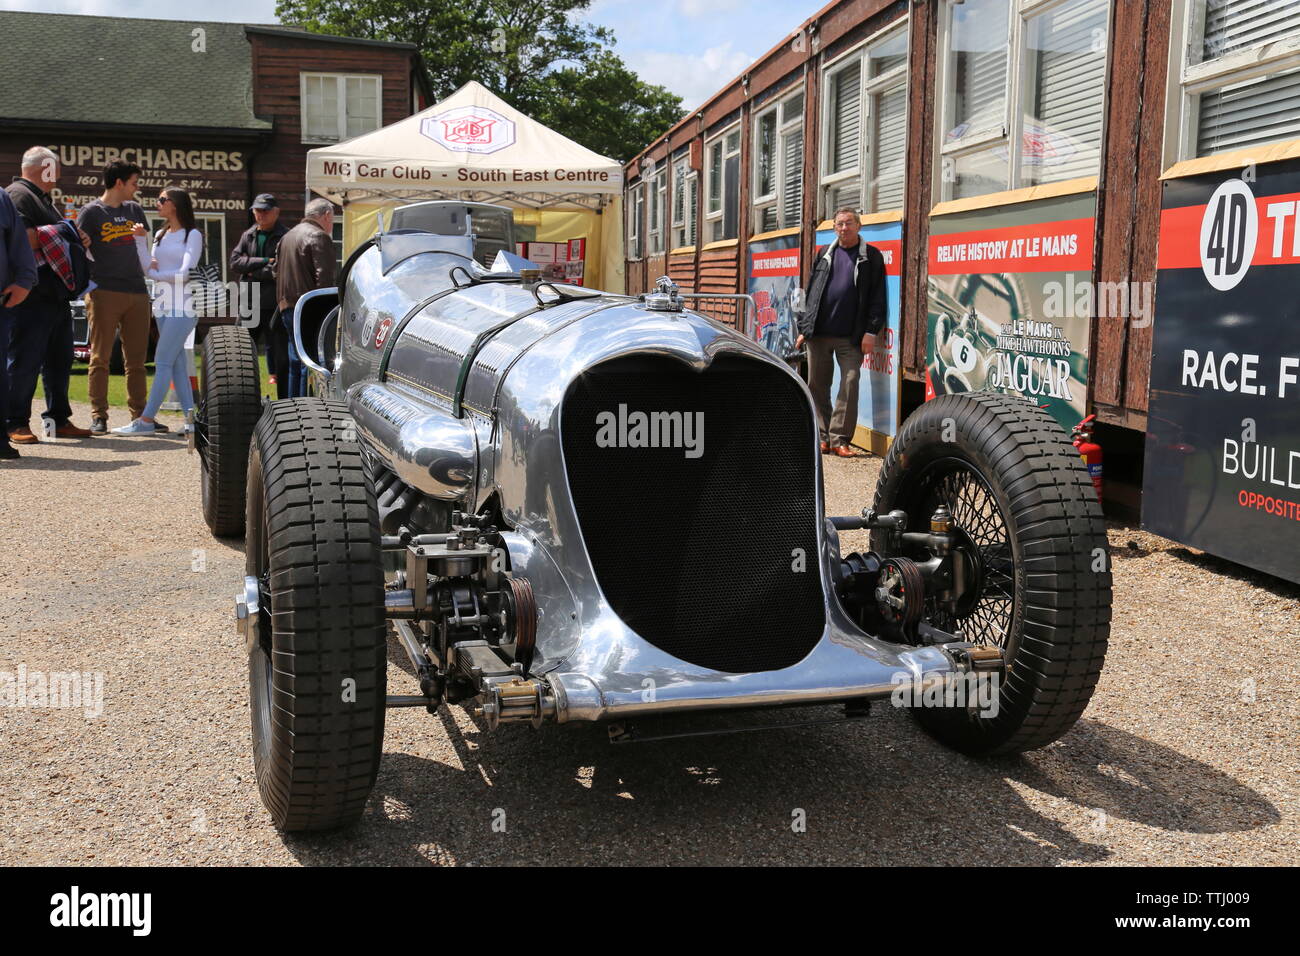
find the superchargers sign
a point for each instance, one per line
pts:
(1223, 443)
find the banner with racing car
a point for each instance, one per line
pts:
(773, 281)
(1010, 302)
(1223, 441)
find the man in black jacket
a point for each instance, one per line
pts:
(253, 260)
(845, 308)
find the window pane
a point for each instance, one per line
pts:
(1065, 84)
(733, 142)
(846, 119)
(792, 109)
(978, 67)
(887, 54)
(715, 177)
(767, 219)
(1251, 113)
(766, 154)
(679, 195)
(976, 174)
(889, 128)
(792, 193)
(843, 196)
(1237, 24)
(321, 111)
(362, 105)
(692, 204)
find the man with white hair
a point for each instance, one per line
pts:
(305, 262)
(42, 334)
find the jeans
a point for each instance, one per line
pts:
(40, 347)
(58, 365)
(170, 366)
(297, 371)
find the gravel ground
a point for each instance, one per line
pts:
(1187, 754)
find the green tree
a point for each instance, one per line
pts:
(538, 56)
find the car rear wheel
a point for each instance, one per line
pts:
(317, 658)
(1027, 515)
(230, 404)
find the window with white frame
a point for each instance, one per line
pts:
(686, 196)
(864, 124)
(778, 165)
(1235, 76)
(635, 208)
(1031, 72)
(338, 106)
(658, 199)
(722, 185)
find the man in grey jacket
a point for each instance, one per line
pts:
(844, 311)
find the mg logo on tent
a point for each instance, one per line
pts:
(470, 129)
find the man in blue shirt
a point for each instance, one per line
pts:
(17, 276)
(845, 309)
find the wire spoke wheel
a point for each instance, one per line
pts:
(986, 616)
(1027, 528)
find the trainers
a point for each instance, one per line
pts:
(137, 427)
(99, 426)
(160, 427)
(8, 451)
(22, 435)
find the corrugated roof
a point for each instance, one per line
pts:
(68, 68)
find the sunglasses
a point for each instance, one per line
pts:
(163, 199)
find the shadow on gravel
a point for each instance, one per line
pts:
(565, 796)
(1237, 572)
(160, 443)
(1214, 565)
(47, 463)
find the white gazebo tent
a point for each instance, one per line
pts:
(473, 146)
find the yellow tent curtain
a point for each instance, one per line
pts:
(603, 232)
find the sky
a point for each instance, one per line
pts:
(692, 47)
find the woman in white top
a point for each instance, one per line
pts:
(178, 248)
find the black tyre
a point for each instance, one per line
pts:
(317, 675)
(229, 406)
(1030, 518)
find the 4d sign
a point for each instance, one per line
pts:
(470, 129)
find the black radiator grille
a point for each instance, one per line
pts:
(700, 556)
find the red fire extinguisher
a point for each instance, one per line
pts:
(1089, 450)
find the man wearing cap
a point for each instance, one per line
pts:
(253, 260)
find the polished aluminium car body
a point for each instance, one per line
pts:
(457, 384)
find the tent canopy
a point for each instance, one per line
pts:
(472, 146)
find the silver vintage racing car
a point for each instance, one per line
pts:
(573, 506)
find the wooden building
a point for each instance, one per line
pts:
(906, 109)
(223, 110)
